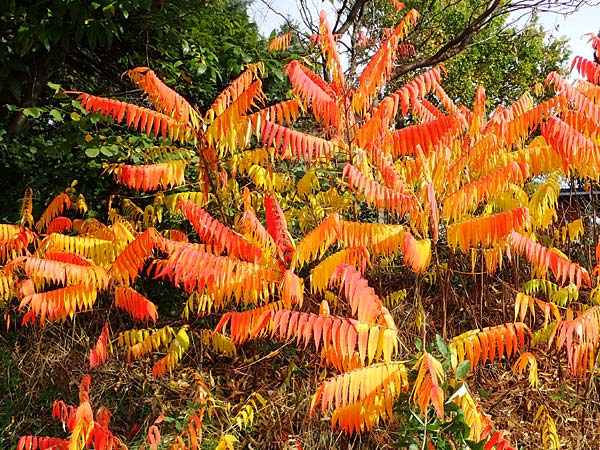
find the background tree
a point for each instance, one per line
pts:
(196, 46)
(462, 35)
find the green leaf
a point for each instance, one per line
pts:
(54, 86)
(419, 344)
(441, 345)
(56, 115)
(463, 369)
(92, 152)
(201, 69)
(108, 11)
(32, 112)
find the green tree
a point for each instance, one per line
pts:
(197, 47)
(505, 58)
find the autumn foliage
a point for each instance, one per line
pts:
(258, 253)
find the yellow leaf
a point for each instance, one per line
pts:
(226, 442)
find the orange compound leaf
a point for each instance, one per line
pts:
(523, 303)
(544, 258)
(539, 156)
(418, 88)
(229, 129)
(58, 304)
(128, 264)
(486, 230)
(489, 344)
(316, 242)
(480, 424)
(163, 98)
(357, 418)
(176, 235)
(328, 45)
(580, 338)
(151, 177)
(589, 69)
(27, 208)
(498, 442)
(338, 338)
(217, 236)
(312, 90)
(381, 239)
(306, 326)
(478, 120)
(235, 89)
(379, 68)
(354, 256)
(8, 231)
(366, 305)
(66, 257)
(102, 438)
(83, 422)
(388, 173)
(376, 127)
(281, 43)
(277, 225)
(42, 443)
(8, 286)
(247, 325)
(592, 91)
(153, 437)
(59, 225)
(177, 348)
(380, 383)
(427, 389)
(576, 149)
(427, 135)
(281, 113)
(380, 196)
(99, 353)
(65, 413)
(255, 231)
(291, 289)
(417, 253)
(580, 102)
(426, 111)
(54, 209)
(469, 196)
(521, 126)
(518, 108)
(136, 305)
(143, 119)
(18, 243)
(527, 360)
(295, 144)
(47, 271)
(93, 227)
(223, 277)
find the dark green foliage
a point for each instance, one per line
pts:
(196, 47)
